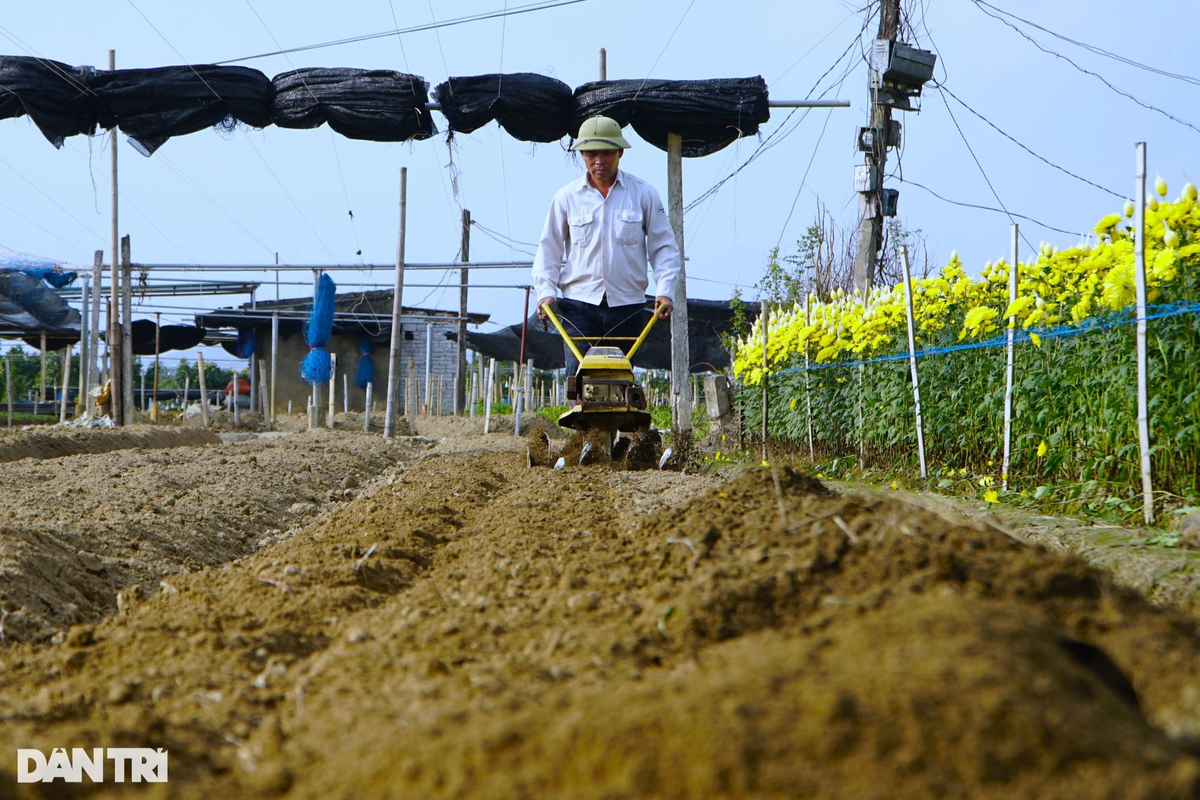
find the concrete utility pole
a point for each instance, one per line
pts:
(870, 227)
(113, 340)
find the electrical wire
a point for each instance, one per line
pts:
(1100, 51)
(525, 9)
(1047, 161)
(332, 139)
(776, 136)
(987, 208)
(1095, 75)
(670, 38)
(975, 158)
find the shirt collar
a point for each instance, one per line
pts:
(582, 183)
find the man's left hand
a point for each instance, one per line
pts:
(663, 306)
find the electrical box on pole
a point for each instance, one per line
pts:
(898, 72)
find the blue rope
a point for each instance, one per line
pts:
(366, 367)
(1119, 319)
(317, 367)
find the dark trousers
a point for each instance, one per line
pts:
(596, 322)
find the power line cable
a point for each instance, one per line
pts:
(986, 208)
(975, 158)
(332, 139)
(670, 38)
(1095, 75)
(540, 6)
(1100, 51)
(941, 87)
(248, 139)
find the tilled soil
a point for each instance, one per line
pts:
(467, 627)
(77, 529)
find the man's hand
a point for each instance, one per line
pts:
(663, 306)
(545, 301)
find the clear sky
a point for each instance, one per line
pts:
(242, 197)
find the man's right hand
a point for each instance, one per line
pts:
(545, 301)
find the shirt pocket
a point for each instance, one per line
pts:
(581, 229)
(629, 226)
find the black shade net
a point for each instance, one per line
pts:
(56, 96)
(707, 321)
(152, 105)
(530, 107)
(373, 104)
(708, 114)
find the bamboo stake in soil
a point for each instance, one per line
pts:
(203, 390)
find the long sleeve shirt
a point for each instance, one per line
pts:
(608, 243)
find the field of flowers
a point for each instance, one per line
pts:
(1075, 409)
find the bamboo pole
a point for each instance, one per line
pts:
(1009, 370)
(912, 357)
(66, 384)
(203, 389)
(157, 353)
(8, 385)
(474, 392)
(126, 315)
(274, 362)
(332, 389)
(428, 367)
(397, 305)
(263, 405)
(237, 406)
(113, 340)
(93, 360)
(84, 319)
(42, 378)
(1139, 260)
(460, 363)
(346, 392)
(487, 400)
(367, 408)
(766, 317)
(812, 452)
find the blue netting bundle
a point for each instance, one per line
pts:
(366, 368)
(316, 366)
(245, 342)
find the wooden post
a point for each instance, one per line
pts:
(157, 353)
(237, 406)
(766, 317)
(187, 390)
(438, 408)
(66, 383)
(1139, 262)
(460, 368)
(144, 409)
(332, 389)
(114, 307)
(1008, 371)
(474, 392)
(680, 348)
(274, 361)
(603, 64)
(367, 408)
(127, 329)
(397, 309)
(912, 356)
(203, 389)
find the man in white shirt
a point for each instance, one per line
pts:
(609, 224)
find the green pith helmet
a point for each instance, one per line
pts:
(600, 133)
